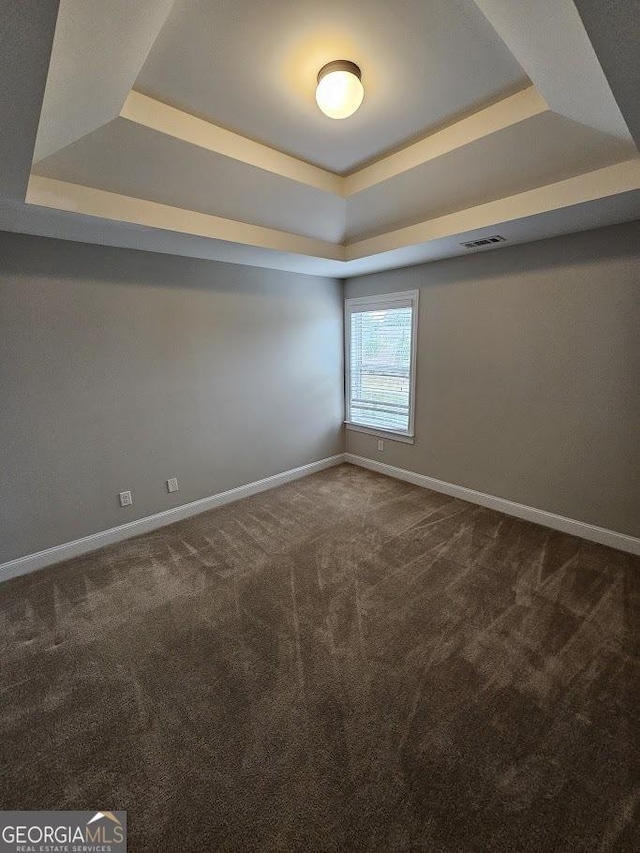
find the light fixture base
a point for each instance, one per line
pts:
(340, 65)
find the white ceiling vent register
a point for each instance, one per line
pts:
(485, 241)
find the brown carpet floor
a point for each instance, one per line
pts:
(345, 663)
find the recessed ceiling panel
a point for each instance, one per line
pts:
(132, 160)
(252, 67)
(542, 150)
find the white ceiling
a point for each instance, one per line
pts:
(82, 60)
(252, 67)
(126, 158)
(463, 131)
(51, 222)
(129, 159)
(492, 167)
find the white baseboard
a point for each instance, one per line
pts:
(32, 562)
(539, 516)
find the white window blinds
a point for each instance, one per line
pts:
(380, 350)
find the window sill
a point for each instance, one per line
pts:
(404, 437)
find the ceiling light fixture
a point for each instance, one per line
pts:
(340, 90)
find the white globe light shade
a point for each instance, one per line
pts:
(340, 91)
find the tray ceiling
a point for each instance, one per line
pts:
(252, 67)
(191, 128)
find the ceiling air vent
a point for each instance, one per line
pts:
(486, 241)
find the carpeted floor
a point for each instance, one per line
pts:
(345, 663)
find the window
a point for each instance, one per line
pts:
(380, 347)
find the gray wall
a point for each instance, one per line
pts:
(529, 374)
(119, 369)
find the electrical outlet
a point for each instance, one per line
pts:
(380, 445)
(172, 484)
(126, 499)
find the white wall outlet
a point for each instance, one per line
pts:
(172, 484)
(126, 499)
(380, 445)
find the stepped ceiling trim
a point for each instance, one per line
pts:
(611, 180)
(108, 44)
(59, 195)
(157, 116)
(170, 121)
(485, 122)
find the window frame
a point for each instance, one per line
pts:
(382, 302)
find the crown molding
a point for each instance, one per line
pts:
(611, 180)
(60, 195)
(147, 112)
(514, 109)
(601, 183)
